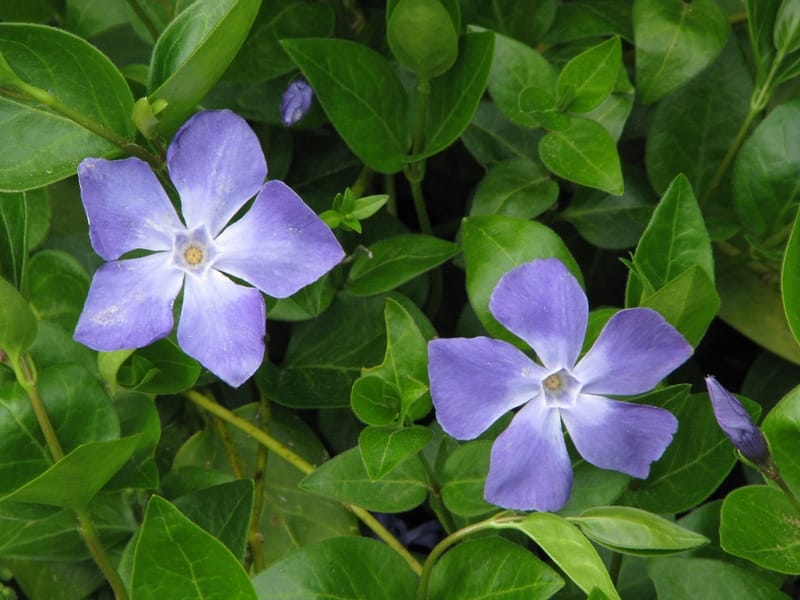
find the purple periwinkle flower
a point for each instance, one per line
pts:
(296, 101)
(735, 422)
(474, 381)
(279, 245)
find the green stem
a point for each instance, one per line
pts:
(230, 448)
(99, 555)
(435, 496)
(361, 184)
(144, 18)
(301, 465)
(789, 494)
(255, 537)
(46, 98)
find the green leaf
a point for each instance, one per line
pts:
(262, 58)
(569, 550)
(760, 22)
(224, 511)
(515, 188)
(163, 369)
(517, 72)
(24, 219)
(593, 486)
(309, 302)
(192, 54)
(74, 480)
(491, 138)
(17, 323)
(55, 580)
(590, 19)
(383, 448)
(675, 40)
(708, 578)
(345, 478)
(176, 558)
(392, 261)
(524, 20)
(58, 287)
(587, 79)
(493, 246)
(695, 463)
(454, 96)
(584, 153)
(608, 221)
(89, 18)
(343, 568)
(361, 95)
(782, 428)
(138, 417)
(464, 478)
(767, 170)
(79, 76)
(492, 567)
(760, 524)
(675, 240)
(69, 394)
(638, 532)
(790, 281)
(692, 129)
(787, 27)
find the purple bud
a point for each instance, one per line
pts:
(735, 421)
(296, 101)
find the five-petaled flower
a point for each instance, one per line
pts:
(474, 381)
(279, 245)
(735, 422)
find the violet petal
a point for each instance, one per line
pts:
(222, 325)
(129, 303)
(636, 349)
(216, 163)
(542, 302)
(617, 435)
(735, 421)
(296, 101)
(529, 467)
(126, 207)
(280, 245)
(474, 381)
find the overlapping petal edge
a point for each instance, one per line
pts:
(280, 245)
(474, 381)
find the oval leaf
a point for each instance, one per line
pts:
(515, 188)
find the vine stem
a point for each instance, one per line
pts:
(255, 537)
(26, 376)
(301, 465)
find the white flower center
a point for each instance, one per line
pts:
(561, 389)
(194, 251)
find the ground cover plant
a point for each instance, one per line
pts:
(433, 299)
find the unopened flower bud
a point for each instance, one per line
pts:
(735, 421)
(296, 101)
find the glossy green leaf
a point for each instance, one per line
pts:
(584, 153)
(345, 478)
(392, 261)
(675, 240)
(492, 567)
(767, 170)
(464, 478)
(309, 302)
(361, 95)
(572, 552)
(494, 245)
(609, 221)
(591, 19)
(692, 129)
(24, 218)
(760, 524)
(224, 511)
(787, 27)
(675, 40)
(524, 20)
(790, 281)
(634, 531)
(160, 368)
(491, 138)
(17, 323)
(587, 79)
(74, 480)
(517, 72)
(77, 75)
(515, 188)
(342, 568)
(192, 54)
(760, 22)
(138, 417)
(55, 580)
(593, 486)
(58, 287)
(614, 111)
(454, 96)
(262, 58)
(708, 578)
(383, 448)
(88, 18)
(290, 517)
(695, 463)
(782, 428)
(176, 558)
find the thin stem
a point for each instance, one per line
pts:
(436, 497)
(255, 537)
(738, 18)
(361, 184)
(99, 555)
(301, 465)
(144, 18)
(789, 494)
